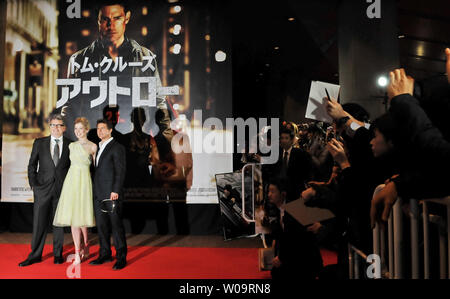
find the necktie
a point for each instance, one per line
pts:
(285, 159)
(56, 152)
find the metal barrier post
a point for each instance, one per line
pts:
(356, 261)
(442, 251)
(414, 215)
(378, 234)
(382, 249)
(426, 242)
(243, 193)
(391, 269)
(448, 239)
(398, 239)
(351, 274)
(376, 239)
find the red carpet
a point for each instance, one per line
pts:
(145, 262)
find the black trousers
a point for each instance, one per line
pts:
(107, 224)
(43, 214)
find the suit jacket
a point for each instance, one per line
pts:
(425, 158)
(299, 171)
(296, 248)
(110, 171)
(43, 176)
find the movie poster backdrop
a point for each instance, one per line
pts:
(166, 68)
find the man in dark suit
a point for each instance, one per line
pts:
(294, 165)
(110, 168)
(297, 255)
(47, 169)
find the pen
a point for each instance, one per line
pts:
(329, 99)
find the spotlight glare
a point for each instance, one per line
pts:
(176, 49)
(221, 56)
(382, 81)
(177, 29)
(175, 10)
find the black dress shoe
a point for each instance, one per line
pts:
(120, 264)
(28, 262)
(58, 260)
(101, 260)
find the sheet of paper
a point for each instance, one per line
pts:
(307, 215)
(316, 108)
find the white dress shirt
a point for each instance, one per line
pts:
(53, 143)
(102, 146)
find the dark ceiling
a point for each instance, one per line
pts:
(424, 28)
(268, 47)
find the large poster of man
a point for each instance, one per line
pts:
(146, 66)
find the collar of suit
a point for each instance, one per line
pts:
(54, 138)
(105, 143)
(101, 148)
(288, 151)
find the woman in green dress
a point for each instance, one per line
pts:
(75, 206)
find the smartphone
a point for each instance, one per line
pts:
(330, 135)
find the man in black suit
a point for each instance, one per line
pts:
(297, 254)
(294, 165)
(110, 168)
(47, 169)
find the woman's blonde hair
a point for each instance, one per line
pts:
(83, 121)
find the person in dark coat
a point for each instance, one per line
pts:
(297, 255)
(424, 145)
(294, 165)
(109, 178)
(47, 169)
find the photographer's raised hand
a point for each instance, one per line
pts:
(399, 84)
(337, 150)
(336, 112)
(334, 109)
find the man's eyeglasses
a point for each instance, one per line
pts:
(56, 126)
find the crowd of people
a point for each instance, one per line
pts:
(338, 166)
(334, 166)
